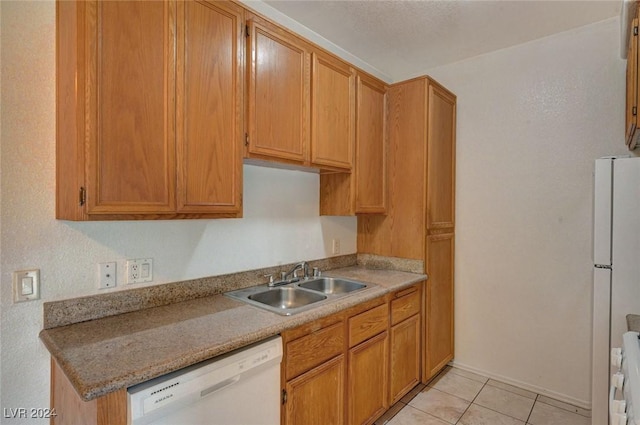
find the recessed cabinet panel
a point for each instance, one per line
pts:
(404, 357)
(333, 109)
(368, 380)
(278, 93)
(439, 346)
(317, 396)
(371, 169)
(441, 159)
(209, 104)
(130, 122)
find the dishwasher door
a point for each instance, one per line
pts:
(239, 388)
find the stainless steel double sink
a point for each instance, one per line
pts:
(297, 296)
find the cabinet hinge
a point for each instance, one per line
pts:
(83, 196)
(246, 30)
(246, 139)
(635, 30)
(284, 396)
(634, 111)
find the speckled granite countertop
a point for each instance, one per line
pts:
(104, 355)
(633, 322)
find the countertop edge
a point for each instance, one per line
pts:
(92, 390)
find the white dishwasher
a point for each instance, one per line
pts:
(238, 388)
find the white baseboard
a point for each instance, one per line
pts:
(525, 386)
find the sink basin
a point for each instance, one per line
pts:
(297, 296)
(286, 298)
(331, 285)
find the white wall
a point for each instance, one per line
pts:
(531, 120)
(281, 223)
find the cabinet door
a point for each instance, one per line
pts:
(367, 395)
(333, 112)
(404, 357)
(130, 117)
(441, 158)
(279, 84)
(317, 396)
(209, 106)
(438, 309)
(371, 168)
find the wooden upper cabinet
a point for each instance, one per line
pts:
(279, 90)
(364, 189)
(130, 86)
(209, 106)
(441, 157)
(371, 143)
(149, 109)
(301, 101)
(333, 112)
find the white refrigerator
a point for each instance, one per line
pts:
(616, 273)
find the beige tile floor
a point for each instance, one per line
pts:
(458, 397)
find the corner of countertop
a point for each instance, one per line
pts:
(373, 261)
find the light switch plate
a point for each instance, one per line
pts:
(26, 285)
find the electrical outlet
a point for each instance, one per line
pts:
(336, 246)
(140, 270)
(107, 275)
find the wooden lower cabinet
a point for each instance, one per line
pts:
(439, 304)
(367, 380)
(404, 357)
(110, 409)
(317, 396)
(380, 361)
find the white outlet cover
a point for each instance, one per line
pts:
(140, 270)
(107, 275)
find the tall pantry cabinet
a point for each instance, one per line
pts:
(420, 223)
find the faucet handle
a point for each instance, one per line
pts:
(270, 276)
(295, 274)
(316, 272)
(283, 275)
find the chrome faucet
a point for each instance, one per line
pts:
(294, 272)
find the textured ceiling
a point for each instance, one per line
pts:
(403, 38)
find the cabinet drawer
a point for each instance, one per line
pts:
(365, 325)
(311, 350)
(405, 304)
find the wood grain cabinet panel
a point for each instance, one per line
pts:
(420, 223)
(313, 349)
(404, 357)
(367, 324)
(130, 90)
(209, 105)
(364, 190)
(368, 380)
(317, 396)
(333, 112)
(439, 341)
(279, 93)
(149, 109)
(371, 146)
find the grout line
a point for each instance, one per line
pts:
(474, 399)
